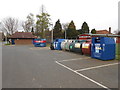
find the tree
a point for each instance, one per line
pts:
(118, 32)
(32, 30)
(65, 27)
(71, 31)
(93, 31)
(29, 23)
(85, 28)
(80, 31)
(9, 25)
(42, 23)
(57, 31)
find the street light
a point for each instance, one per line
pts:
(65, 33)
(52, 33)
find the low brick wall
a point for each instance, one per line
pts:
(23, 41)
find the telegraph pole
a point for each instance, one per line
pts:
(42, 24)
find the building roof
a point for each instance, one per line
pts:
(102, 32)
(23, 35)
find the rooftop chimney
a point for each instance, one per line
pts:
(109, 30)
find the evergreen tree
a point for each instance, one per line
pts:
(71, 31)
(32, 30)
(93, 31)
(80, 31)
(85, 28)
(118, 32)
(57, 31)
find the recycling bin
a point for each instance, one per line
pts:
(39, 42)
(12, 41)
(52, 46)
(103, 48)
(67, 45)
(57, 44)
(63, 43)
(77, 46)
(86, 47)
(71, 46)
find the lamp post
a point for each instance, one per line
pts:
(65, 34)
(52, 33)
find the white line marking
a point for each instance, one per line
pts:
(39, 48)
(83, 76)
(96, 67)
(74, 59)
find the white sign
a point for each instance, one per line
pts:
(77, 45)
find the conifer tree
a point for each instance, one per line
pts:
(93, 31)
(71, 31)
(57, 31)
(85, 28)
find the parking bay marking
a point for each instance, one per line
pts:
(103, 86)
(39, 48)
(96, 67)
(74, 59)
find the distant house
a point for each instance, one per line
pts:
(104, 31)
(22, 38)
(2, 36)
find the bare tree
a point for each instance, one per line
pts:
(65, 27)
(9, 25)
(29, 23)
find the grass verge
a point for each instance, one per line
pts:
(7, 44)
(118, 51)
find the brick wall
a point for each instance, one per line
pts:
(118, 40)
(23, 41)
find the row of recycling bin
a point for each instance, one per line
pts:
(79, 46)
(98, 47)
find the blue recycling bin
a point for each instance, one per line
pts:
(13, 41)
(103, 48)
(57, 44)
(39, 42)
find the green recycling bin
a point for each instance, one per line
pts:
(77, 46)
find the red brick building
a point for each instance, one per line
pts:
(118, 40)
(104, 31)
(20, 38)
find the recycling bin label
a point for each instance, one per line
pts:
(97, 48)
(85, 46)
(77, 45)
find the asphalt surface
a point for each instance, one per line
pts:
(30, 67)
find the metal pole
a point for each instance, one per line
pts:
(6, 37)
(52, 33)
(65, 33)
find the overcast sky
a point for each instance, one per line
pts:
(99, 14)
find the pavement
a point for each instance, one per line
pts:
(36, 67)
